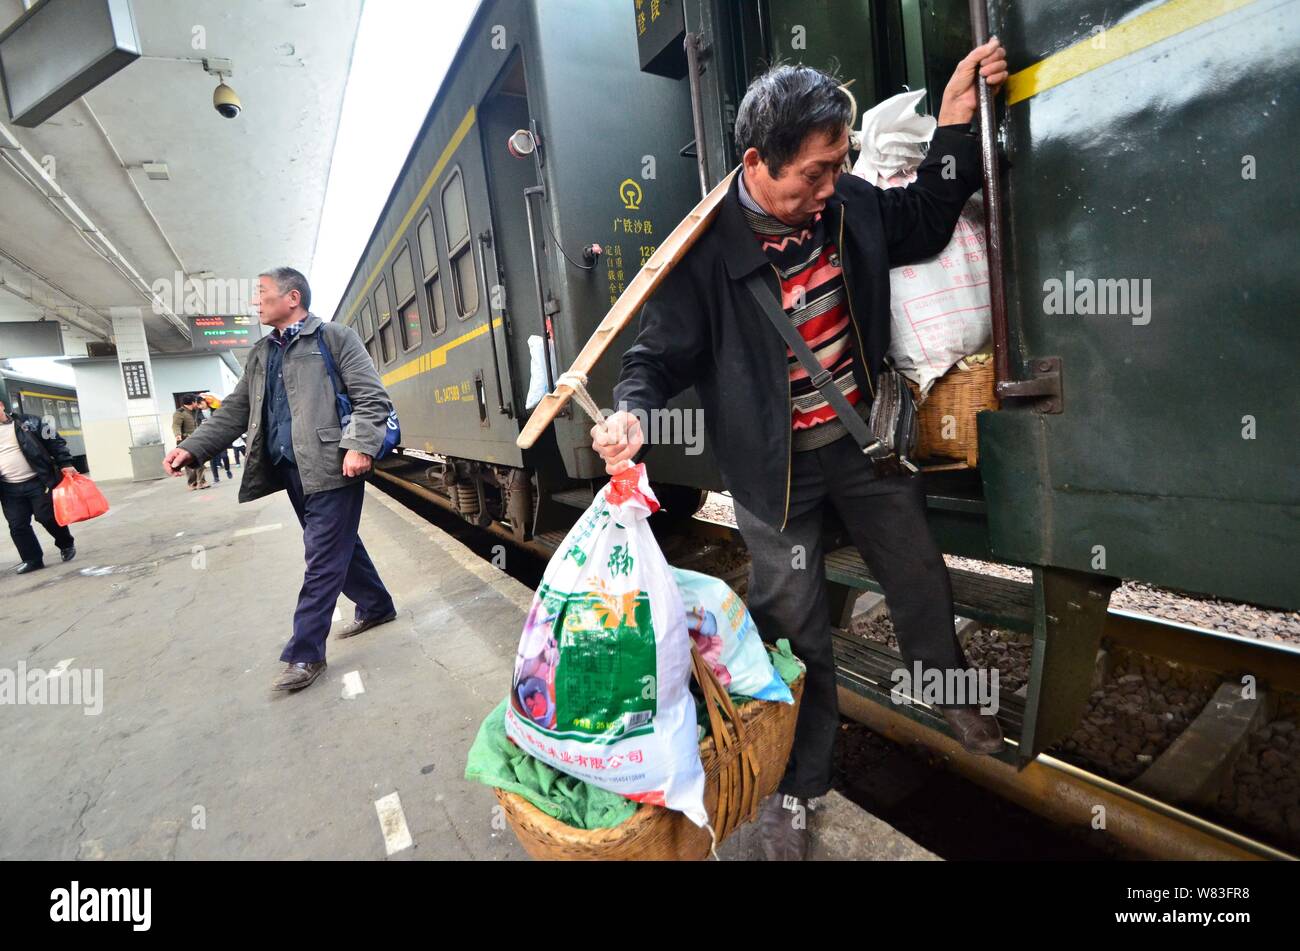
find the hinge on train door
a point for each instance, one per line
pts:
(1043, 386)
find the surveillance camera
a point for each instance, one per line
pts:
(226, 102)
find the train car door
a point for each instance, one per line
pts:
(514, 256)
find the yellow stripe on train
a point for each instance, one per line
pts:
(1166, 20)
(434, 358)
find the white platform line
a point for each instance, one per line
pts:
(392, 821)
(352, 687)
(255, 530)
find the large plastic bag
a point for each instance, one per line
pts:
(537, 370)
(76, 498)
(727, 638)
(601, 687)
(939, 309)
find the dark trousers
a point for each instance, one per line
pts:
(239, 453)
(23, 501)
(885, 516)
(336, 562)
(221, 459)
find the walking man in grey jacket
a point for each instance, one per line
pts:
(285, 402)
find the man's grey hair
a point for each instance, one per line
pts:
(783, 106)
(287, 279)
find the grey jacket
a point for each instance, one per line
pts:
(318, 442)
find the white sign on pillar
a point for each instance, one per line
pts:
(137, 375)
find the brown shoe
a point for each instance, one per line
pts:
(353, 628)
(299, 675)
(975, 731)
(783, 827)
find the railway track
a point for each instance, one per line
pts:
(1167, 810)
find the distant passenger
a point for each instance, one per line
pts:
(818, 245)
(285, 403)
(185, 422)
(222, 459)
(31, 459)
(237, 447)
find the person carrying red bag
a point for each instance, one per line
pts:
(31, 459)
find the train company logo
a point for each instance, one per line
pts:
(630, 194)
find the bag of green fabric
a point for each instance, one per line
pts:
(496, 761)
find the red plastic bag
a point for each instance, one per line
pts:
(76, 499)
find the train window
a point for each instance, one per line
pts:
(384, 317)
(428, 246)
(455, 218)
(466, 283)
(65, 418)
(403, 275)
(368, 331)
(76, 415)
(411, 330)
(404, 285)
(429, 261)
(436, 307)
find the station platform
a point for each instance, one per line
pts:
(181, 602)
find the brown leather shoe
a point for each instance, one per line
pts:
(299, 675)
(783, 827)
(975, 731)
(353, 628)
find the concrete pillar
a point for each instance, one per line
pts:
(146, 430)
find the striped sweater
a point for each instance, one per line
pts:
(813, 296)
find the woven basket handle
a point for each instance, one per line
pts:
(738, 777)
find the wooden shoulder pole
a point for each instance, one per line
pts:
(628, 305)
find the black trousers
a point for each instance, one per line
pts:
(23, 501)
(219, 460)
(885, 516)
(336, 562)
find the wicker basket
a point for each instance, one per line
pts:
(960, 394)
(744, 761)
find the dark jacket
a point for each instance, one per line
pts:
(319, 444)
(184, 423)
(703, 328)
(47, 455)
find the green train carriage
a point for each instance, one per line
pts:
(1136, 141)
(54, 403)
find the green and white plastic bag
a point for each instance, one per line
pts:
(601, 687)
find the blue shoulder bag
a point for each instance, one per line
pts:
(392, 430)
